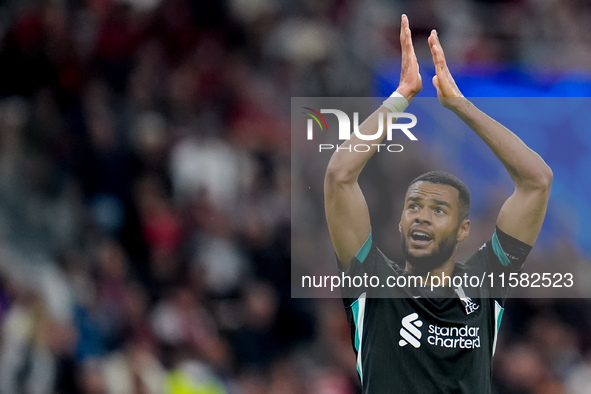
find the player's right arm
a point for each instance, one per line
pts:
(347, 214)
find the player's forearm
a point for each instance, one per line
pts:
(346, 164)
(526, 168)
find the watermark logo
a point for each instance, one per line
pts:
(410, 331)
(314, 115)
(386, 122)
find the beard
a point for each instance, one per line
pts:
(424, 264)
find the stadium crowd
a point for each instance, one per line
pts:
(145, 190)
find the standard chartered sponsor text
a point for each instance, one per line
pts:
(465, 337)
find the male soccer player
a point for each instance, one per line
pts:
(418, 339)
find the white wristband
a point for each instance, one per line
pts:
(396, 102)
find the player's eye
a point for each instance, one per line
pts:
(439, 210)
(413, 207)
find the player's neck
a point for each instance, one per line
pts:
(445, 270)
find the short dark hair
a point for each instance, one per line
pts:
(445, 178)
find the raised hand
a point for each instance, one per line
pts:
(446, 87)
(410, 79)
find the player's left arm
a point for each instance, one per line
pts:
(521, 216)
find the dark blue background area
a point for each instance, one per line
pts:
(550, 112)
(493, 81)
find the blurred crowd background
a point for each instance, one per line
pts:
(145, 189)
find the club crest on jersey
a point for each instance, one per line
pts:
(469, 305)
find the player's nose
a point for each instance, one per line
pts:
(423, 217)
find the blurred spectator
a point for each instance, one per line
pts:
(136, 370)
(579, 380)
(26, 359)
(255, 342)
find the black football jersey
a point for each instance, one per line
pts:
(414, 339)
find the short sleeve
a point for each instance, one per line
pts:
(510, 252)
(500, 255)
(369, 262)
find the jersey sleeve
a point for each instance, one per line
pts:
(367, 267)
(510, 252)
(501, 254)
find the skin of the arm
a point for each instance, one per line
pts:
(522, 215)
(346, 211)
(347, 214)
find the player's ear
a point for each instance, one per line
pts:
(463, 230)
(400, 226)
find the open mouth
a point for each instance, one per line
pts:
(420, 236)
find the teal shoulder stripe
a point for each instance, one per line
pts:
(358, 309)
(364, 250)
(499, 318)
(355, 308)
(499, 250)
